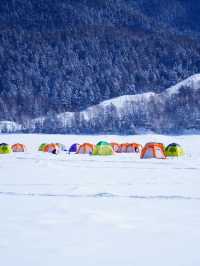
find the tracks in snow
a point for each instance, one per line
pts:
(100, 195)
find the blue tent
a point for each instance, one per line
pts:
(74, 147)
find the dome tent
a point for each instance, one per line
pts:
(134, 148)
(174, 150)
(103, 148)
(5, 148)
(130, 148)
(85, 148)
(42, 146)
(52, 148)
(74, 147)
(100, 143)
(18, 147)
(115, 146)
(3, 144)
(123, 147)
(153, 150)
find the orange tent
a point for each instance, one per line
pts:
(130, 147)
(115, 146)
(133, 148)
(85, 148)
(53, 148)
(162, 146)
(153, 150)
(123, 147)
(18, 147)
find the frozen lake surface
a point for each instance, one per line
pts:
(104, 211)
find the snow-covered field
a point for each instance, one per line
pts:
(99, 211)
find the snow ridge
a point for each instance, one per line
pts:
(140, 101)
(192, 82)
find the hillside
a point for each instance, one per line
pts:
(64, 56)
(175, 110)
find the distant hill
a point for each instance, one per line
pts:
(175, 110)
(65, 55)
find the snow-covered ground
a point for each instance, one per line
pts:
(103, 211)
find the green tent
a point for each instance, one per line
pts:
(41, 148)
(5, 149)
(102, 143)
(103, 148)
(174, 150)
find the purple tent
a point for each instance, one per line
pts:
(74, 147)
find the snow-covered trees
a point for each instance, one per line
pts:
(58, 56)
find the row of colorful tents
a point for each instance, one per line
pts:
(6, 148)
(150, 150)
(103, 148)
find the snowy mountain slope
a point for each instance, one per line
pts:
(120, 103)
(192, 82)
(60, 56)
(177, 103)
